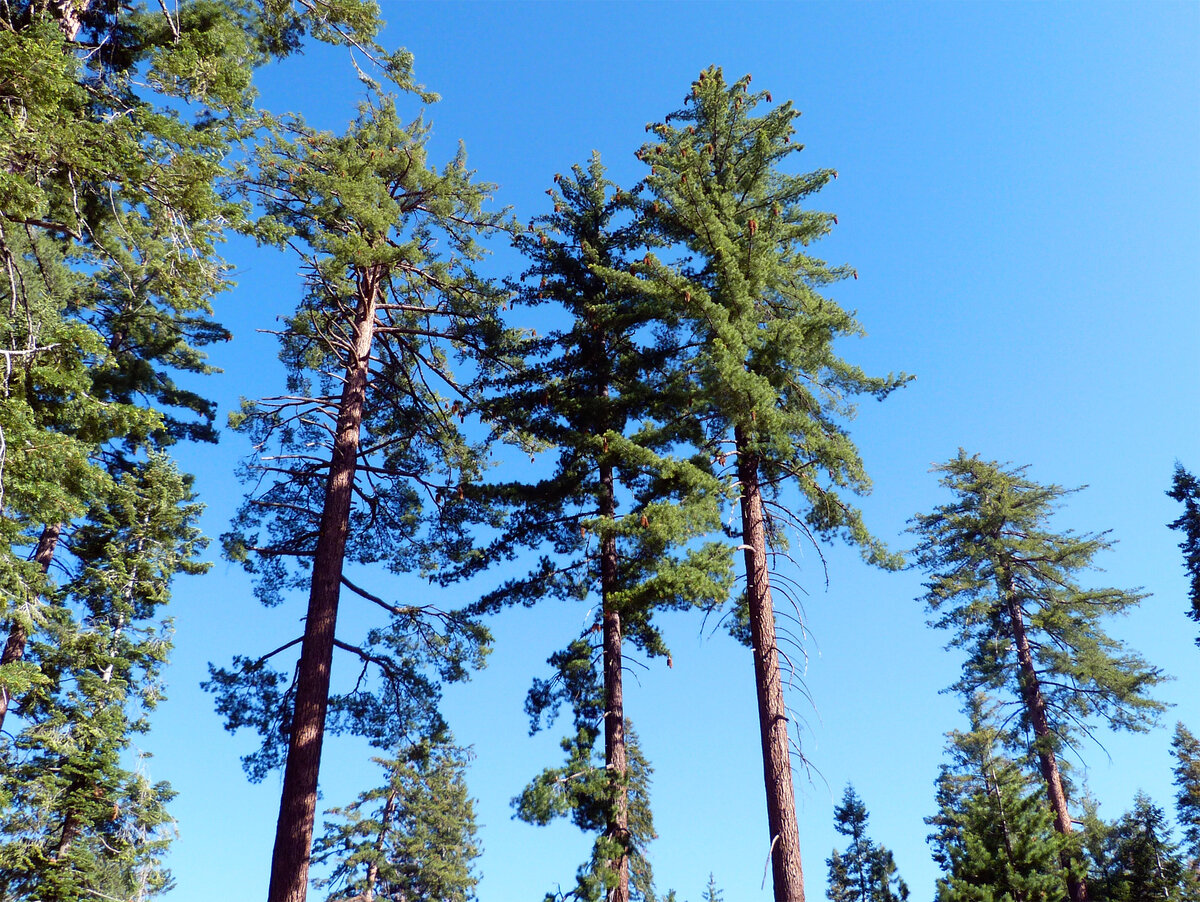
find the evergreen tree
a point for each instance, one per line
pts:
(1186, 750)
(412, 838)
(1135, 859)
(619, 516)
(768, 387)
(362, 459)
(75, 817)
(1006, 586)
(712, 892)
(993, 837)
(864, 872)
(1185, 489)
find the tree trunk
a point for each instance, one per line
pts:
(298, 804)
(615, 761)
(18, 635)
(788, 874)
(1035, 709)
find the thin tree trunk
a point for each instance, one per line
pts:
(18, 635)
(298, 804)
(1035, 709)
(787, 872)
(615, 760)
(992, 785)
(389, 808)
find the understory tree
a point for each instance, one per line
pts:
(1185, 489)
(620, 519)
(993, 835)
(864, 871)
(413, 837)
(361, 460)
(1186, 750)
(1006, 586)
(1135, 859)
(767, 387)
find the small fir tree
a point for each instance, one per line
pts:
(864, 872)
(1135, 859)
(411, 838)
(994, 837)
(1006, 586)
(1186, 750)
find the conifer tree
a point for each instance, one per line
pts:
(411, 838)
(769, 390)
(993, 837)
(864, 872)
(1185, 489)
(712, 893)
(1186, 750)
(618, 517)
(361, 460)
(1137, 861)
(1006, 586)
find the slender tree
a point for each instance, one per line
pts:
(411, 838)
(1185, 489)
(622, 513)
(994, 837)
(1006, 586)
(1186, 750)
(362, 459)
(768, 388)
(865, 871)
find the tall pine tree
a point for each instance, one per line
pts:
(620, 516)
(361, 460)
(769, 391)
(1186, 750)
(1005, 585)
(1185, 489)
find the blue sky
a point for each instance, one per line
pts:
(1019, 190)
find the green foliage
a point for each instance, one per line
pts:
(368, 207)
(411, 838)
(1186, 749)
(864, 872)
(1134, 859)
(991, 546)
(1185, 489)
(73, 816)
(993, 837)
(750, 293)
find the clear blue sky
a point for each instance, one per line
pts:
(1020, 193)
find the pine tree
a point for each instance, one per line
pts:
(362, 459)
(619, 516)
(1006, 586)
(1185, 489)
(1136, 860)
(993, 837)
(769, 389)
(1186, 749)
(411, 838)
(864, 872)
(712, 892)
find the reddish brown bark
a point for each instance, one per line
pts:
(787, 871)
(18, 635)
(298, 805)
(1035, 709)
(615, 760)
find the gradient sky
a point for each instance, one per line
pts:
(1020, 192)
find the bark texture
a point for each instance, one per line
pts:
(18, 635)
(615, 759)
(298, 804)
(1035, 709)
(787, 871)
